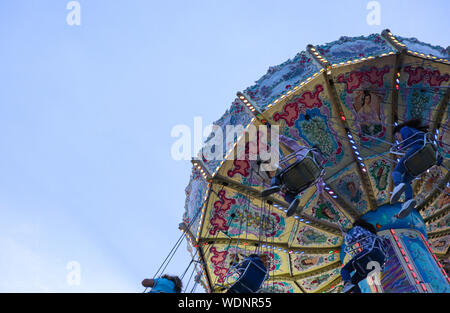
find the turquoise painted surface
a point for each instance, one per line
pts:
(425, 264)
(384, 219)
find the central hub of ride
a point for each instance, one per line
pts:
(410, 265)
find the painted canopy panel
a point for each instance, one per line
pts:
(421, 88)
(305, 263)
(365, 92)
(347, 184)
(220, 257)
(414, 45)
(309, 117)
(441, 224)
(323, 207)
(443, 135)
(280, 79)
(317, 282)
(231, 214)
(196, 193)
(280, 286)
(429, 181)
(379, 170)
(440, 245)
(238, 114)
(307, 236)
(441, 203)
(350, 48)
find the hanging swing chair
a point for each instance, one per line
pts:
(251, 272)
(362, 252)
(421, 160)
(299, 170)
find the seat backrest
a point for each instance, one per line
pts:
(300, 175)
(251, 278)
(421, 160)
(377, 253)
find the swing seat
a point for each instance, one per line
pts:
(251, 276)
(377, 253)
(421, 160)
(364, 251)
(297, 172)
(301, 174)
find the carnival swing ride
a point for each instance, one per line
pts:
(344, 98)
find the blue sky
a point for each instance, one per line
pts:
(86, 113)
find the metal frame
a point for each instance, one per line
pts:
(355, 252)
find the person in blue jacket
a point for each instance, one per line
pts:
(364, 235)
(411, 134)
(164, 284)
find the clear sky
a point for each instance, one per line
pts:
(86, 113)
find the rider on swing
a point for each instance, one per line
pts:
(370, 247)
(411, 136)
(275, 183)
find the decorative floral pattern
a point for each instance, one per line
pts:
(195, 194)
(417, 46)
(428, 76)
(221, 213)
(322, 208)
(277, 287)
(221, 260)
(306, 262)
(308, 236)
(315, 282)
(415, 90)
(280, 79)
(236, 115)
(348, 187)
(236, 214)
(349, 48)
(440, 245)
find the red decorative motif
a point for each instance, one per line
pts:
(289, 115)
(221, 272)
(218, 221)
(217, 259)
(420, 74)
(218, 256)
(242, 164)
(356, 78)
(240, 167)
(276, 222)
(291, 110)
(312, 100)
